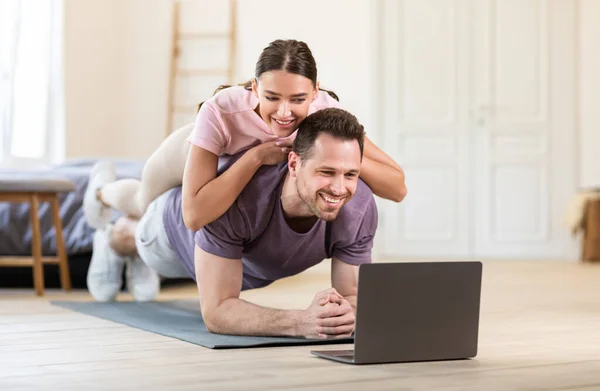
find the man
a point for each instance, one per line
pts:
(288, 218)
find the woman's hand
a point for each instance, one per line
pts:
(273, 152)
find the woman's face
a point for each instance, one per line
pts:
(284, 100)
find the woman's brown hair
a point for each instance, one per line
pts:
(284, 55)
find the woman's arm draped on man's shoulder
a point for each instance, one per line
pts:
(205, 196)
(384, 176)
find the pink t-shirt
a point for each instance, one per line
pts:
(227, 123)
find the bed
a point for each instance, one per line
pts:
(15, 230)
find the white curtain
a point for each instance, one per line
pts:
(31, 93)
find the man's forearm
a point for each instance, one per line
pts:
(238, 317)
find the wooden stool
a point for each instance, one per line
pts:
(34, 191)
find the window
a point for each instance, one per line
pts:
(31, 93)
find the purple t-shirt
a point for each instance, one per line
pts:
(255, 230)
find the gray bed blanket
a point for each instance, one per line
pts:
(15, 230)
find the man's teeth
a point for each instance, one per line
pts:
(332, 200)
(284, 122)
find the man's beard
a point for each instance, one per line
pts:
(310, 200)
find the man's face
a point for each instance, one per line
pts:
(328, 178)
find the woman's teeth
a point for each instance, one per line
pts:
(284, 122)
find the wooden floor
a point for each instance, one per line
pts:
(540, 330)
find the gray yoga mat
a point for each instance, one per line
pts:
(180, 319)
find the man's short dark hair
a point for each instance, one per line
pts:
(335, 122)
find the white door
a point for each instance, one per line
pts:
(425, 116)
(524, 126)
(468, 89)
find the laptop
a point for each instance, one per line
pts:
(414, 311)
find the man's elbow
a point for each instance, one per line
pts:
(212, 327)
(211, 322)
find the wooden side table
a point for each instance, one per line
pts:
(35, 191)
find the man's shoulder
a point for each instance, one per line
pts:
(256, 202)
(263, 185)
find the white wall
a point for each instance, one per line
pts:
(589, 93)
(117, 56)
(337, 32)
(94, 76)
(118, 52)
(148, 61)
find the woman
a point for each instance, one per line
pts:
(260, 117)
